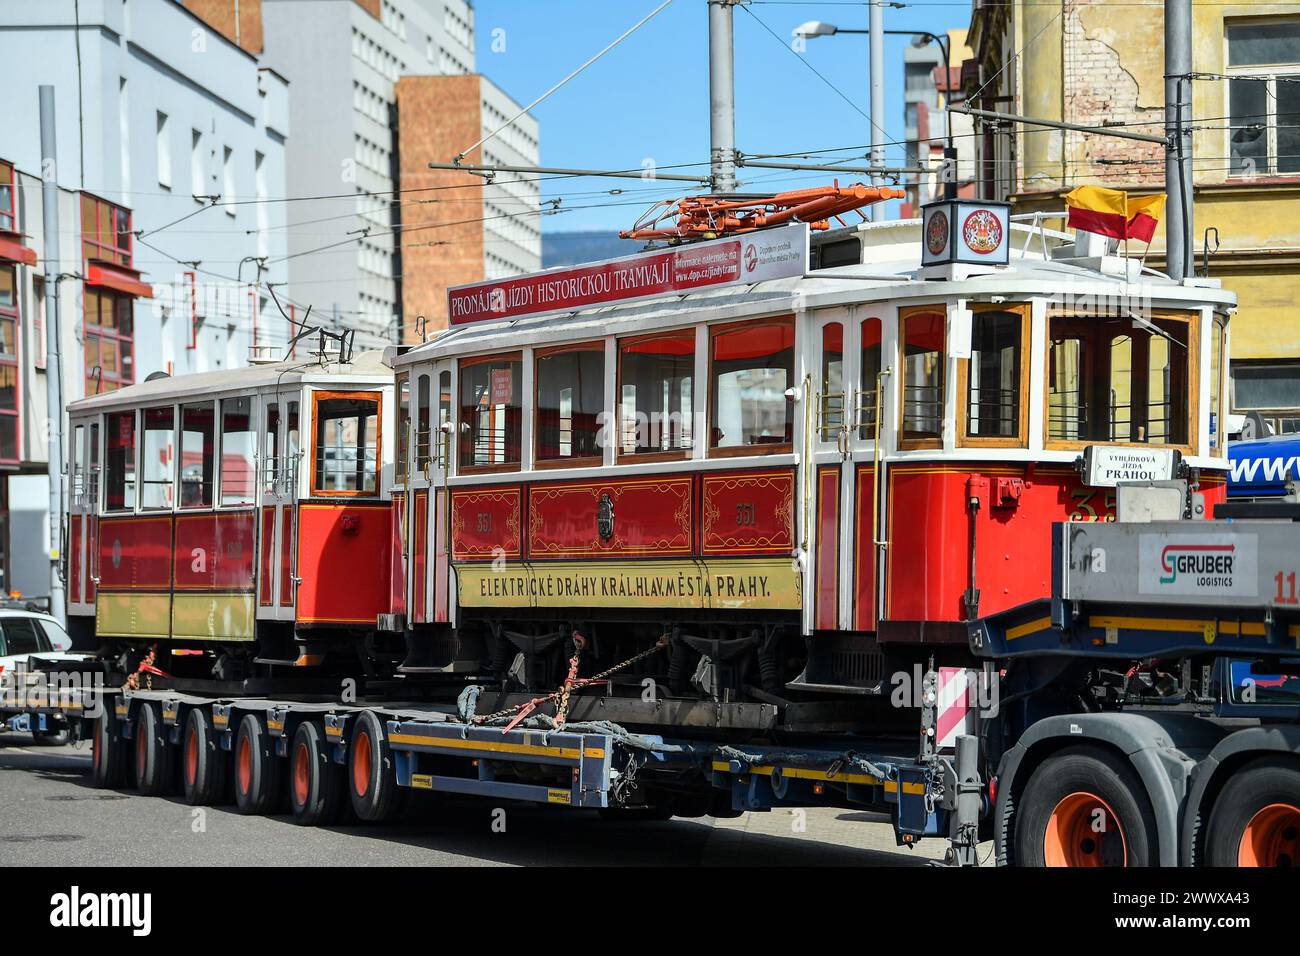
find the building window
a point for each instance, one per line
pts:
(109, 341)
(164, 148)
(490, 414)
(238, 450)
(119, 463)
(198, 454)
(1118, 380)
(570, 400)
(8, 365)
(1270, 388)
(992, 379)
(105, 231)
(38, 320)
(228, 179)
(156, 459)
(346, 451)
(923, 354)
(656, 407)
(870, 362)
(6, 197)
(1264, 96)
(198, 181)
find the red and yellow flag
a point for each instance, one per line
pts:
(1110, 212)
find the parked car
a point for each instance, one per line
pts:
(25, 633)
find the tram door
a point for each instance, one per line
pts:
(432, 448)
(834, 371)
(83, 496)
(279, 454)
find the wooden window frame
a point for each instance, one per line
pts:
(900, 354)
(633, 457)
(320, 396)
(1192, 320)
(749, 451)
(586, 461)
(214, 406)
(462, 364)
(964, 438)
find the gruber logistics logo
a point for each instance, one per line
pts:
(1210, 563)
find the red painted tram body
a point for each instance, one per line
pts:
(804, 479)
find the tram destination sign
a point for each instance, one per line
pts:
(778, 253)
(1105, 466)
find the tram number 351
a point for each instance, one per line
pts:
(483, 522)
(746, 514)
(1086, 503)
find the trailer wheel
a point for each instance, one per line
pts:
(1256, 819)
(154, 756)
(108, 755)
(257, 771)
(315, 781)
(372, 774)
(203, 762)
(1084, 807)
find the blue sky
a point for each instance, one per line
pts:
(648, 97)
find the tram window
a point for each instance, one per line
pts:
(198, 455)
(77, 464)
(656, 393)
(271, 448)
(92, 473)
(444, 418)
(347, 443)
(570, 399)
(1218, 334)
(753, 365)
(238, 450)
(403, 429)
(119, 462)
(993, 375)
(870, 378)
(156, 459)
(491, 422)
(292, 442)
(1117, 380)
(923, 358)
(831, 411)
(423, 436)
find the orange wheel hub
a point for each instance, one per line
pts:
(191, 759)
(362, 755)
(1271, 838)
(244, 764)
(301, 770)
(1084, 831)
(140, 751)
(95, 755)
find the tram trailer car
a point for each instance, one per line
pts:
(807, 484)
(205, 530)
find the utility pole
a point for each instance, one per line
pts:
(1178, 128)
(54, 361)
(876, 41)
(722, 97)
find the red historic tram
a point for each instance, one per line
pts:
(759, 468)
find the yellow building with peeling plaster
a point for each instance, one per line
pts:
(1101, 63)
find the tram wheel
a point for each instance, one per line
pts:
(258, 773)
(315, 781)
(1085, 807)
(203, 762)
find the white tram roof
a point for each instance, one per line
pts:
(893, 274)
(366, 368)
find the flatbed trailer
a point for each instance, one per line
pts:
(1055, 766)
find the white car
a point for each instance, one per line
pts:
(25, 633)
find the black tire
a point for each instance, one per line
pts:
(203, 763)
(1085, 807)
(1244, 830)
(315, 780)
(108, 753)
(720, 807)
(258, 772)
(155, 767)
(372, 772)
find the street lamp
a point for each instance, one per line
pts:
(818, 28)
